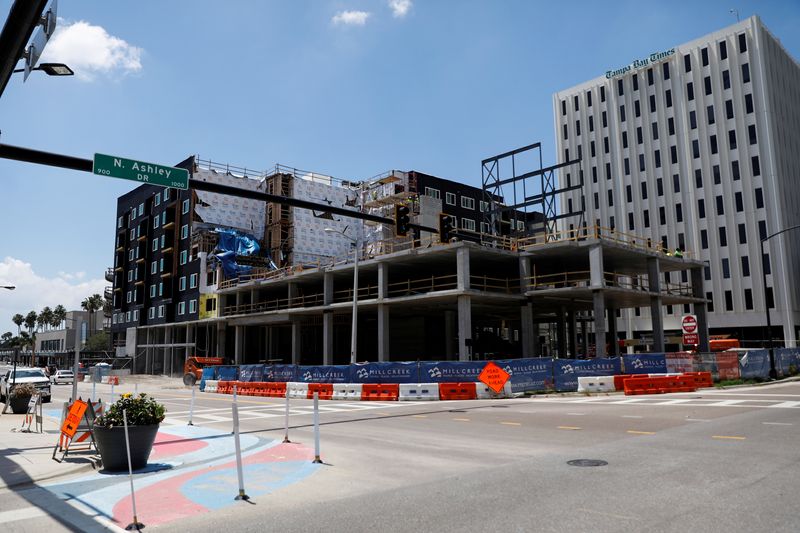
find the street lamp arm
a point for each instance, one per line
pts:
(779, 232)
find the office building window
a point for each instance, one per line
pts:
(742, 234)
(594, 174)
(707, 85)
(723, 236)
(704, 56)
(729, 109)
(576, 102)
(591, 123)
(450, 198)
(161, 265)
(608, 171)
(652, 103)
(644, 190)
(650, 76)
(696, 149)
(676, 183)
(745, 73)
(155, 244)
(161, 311)
(577, 127)
(467, 202)
(660, 187)
(654, 127)
(563, 107)
(602, 94)
(192, 306)
(151, 313)
(193, 280)
(484, 227)
(153, 290)
(710, 305)
(566, 136)
(185, 206)
(154, 267)
(687, 63)
(716, 173)
(732, 139)
(738, 201)
(637, 109)
(701, 208)
(629, 193)
(610, 198)
(605, 145)
(726, 268)
(485, 205)
(434, 193)
(728, 301)
(596, 201)
(605, 119)
(679, 212)
(726, 79)
(158, 199)
(161, 288)
(692, 120)
(748, 299)
(662, 216)
(641, 162)
(762, 229)
(712, 142)
(723, 50)
(720, 206)
(673, 155)
(639, 138)
(735, 170)
(128, 297)
(468, 224)
(627, 165)
(742, 43)
(182, 308)
(751, 132)
(182, 283)
(759, 198)
(671, 125)
(668, 95)
(630, 221)
(646, 218)
(657, 157)
(748, 103)
(698, 178)
(690, 91)
(755, 165)
(710, 114)
(184, 231)
(184, 257)
(622, 113)
(589, 98)
(620, 88)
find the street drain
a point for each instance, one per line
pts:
(587, 462)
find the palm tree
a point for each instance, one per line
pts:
(92, 304)
(45, 318)
(59, 316)
(18, 319)
(30, 323)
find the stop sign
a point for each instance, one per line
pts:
(689, 324)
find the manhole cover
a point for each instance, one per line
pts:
(587, 462)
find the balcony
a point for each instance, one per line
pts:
(110, 275)
(108, 293)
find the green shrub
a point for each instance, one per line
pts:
(141, 410)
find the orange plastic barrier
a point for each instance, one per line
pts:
(659, 385)
(619, 380)
(457, 391)
(325, 390)
(380, 391)
(224, 387)
(701, 379)
(276, 389)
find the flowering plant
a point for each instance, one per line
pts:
(141, 410)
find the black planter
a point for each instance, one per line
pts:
(111, 445)
(19, 404)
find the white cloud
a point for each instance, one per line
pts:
(34, 292)
(400, 8)
(89, 50)
(350, 18)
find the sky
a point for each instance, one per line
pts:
(349, 88)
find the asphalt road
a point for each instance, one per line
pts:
(707, 461)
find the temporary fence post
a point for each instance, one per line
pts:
(239, 473)
(191, 407)
(286, 420)
(112, 394)
(316, 428)
(136, 389)
(135, 524)
(94, 386)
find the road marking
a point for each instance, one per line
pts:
(778, 423)
(576, 414)
(20, 514)
(727, 437)
(785, 405)
(419, 416)
(631, 400)
(698, 420)
(573, 428)
(674, 402)
(729, 402)
(633, 432)
(632, 416)
(461, 419)
(511, 423)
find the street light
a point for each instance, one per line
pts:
(773, 373)
(354, 332)
(51, 69)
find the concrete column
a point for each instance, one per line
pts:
(612, 331)
(596, 266)
(238, 345)
(292, 292)
(599, 323)
(526, 325)
(573, 333)
(221, 339)
(327, 288)
(700, 310)
(524, 273)
(561, 332)
(656, 318)
(383, 332)
(383, 281)
(464, 327)
(449, 334)
(462, 268)
(327, 337)
(296, 343)
(536, 348)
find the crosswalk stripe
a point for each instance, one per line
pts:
(25, 513)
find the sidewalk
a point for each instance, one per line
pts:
(26, 458)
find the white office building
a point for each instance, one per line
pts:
(698, 147)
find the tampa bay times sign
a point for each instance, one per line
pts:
(637, 64)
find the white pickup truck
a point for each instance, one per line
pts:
(34, 376)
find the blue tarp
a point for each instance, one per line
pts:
(785, 359)
(280, 373)
(567, 371)
(232, 243)
(209, 372)
(251, 373)
(529, 374)
(324, 374)
(384, 373)
(645, 363)
(449, 371)
(227, 373)
(754, 364)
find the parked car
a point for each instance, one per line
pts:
(62, 376)
(34, 376)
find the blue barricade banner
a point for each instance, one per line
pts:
(324, 374)
(567, 371)
(645, 363)
(449, 371)
(251, 373)
(227, 373)
(208, 373)
(754, 364)
(529, 374)
(279, 373)
(384, 373)
(787, 361)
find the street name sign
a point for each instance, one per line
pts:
(135, 170)
(494, 376)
